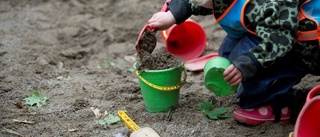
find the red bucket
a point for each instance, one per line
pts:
(308, 121)
(186, 40)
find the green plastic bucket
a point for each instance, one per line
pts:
(161, 88)
(214, 79)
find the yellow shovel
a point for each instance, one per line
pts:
(136, 130)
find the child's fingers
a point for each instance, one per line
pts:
(156, 25)
(228, 73)
(232, 75)
(152, 19)
(235, 80)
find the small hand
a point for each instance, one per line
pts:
(162, 20)
(232, 75)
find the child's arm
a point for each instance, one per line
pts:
(276, 23)
(179, 11)
(183, 9)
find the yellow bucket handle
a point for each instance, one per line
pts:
(165, 88)
(291, 134)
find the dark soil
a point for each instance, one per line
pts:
(157, 61)
(80, 54)
(147, 41)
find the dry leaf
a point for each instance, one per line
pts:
(73, 130)
(105, 113)
(97, 113)
(24, 121)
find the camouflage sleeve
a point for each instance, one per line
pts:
(199, 10)
(183, 9)
(277, 23)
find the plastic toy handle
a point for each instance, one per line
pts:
(165, 88)
(127, 121)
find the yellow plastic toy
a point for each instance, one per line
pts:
(136, 130)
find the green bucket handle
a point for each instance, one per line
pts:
(165, 88)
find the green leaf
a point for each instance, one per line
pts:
(218, 113)
(101, 122)
(205, 106)
(111, 63)
(211, 115)
(108, 63)
(110, 119)
(36, 99)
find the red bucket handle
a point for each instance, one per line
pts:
(313, 92)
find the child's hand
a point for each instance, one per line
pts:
(162, 20)
(232, 75)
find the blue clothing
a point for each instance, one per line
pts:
(311, 9)
(231, 22)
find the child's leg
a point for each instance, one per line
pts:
(270, 86)
(272, 83)
(269, 83)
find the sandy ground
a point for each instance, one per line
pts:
(65, 50)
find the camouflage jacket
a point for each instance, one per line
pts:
(269, 19)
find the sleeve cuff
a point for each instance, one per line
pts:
(247, 64)
(180, 9)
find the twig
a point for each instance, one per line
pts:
(169, 116)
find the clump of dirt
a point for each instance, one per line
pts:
(147, 41)
(157, 61)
